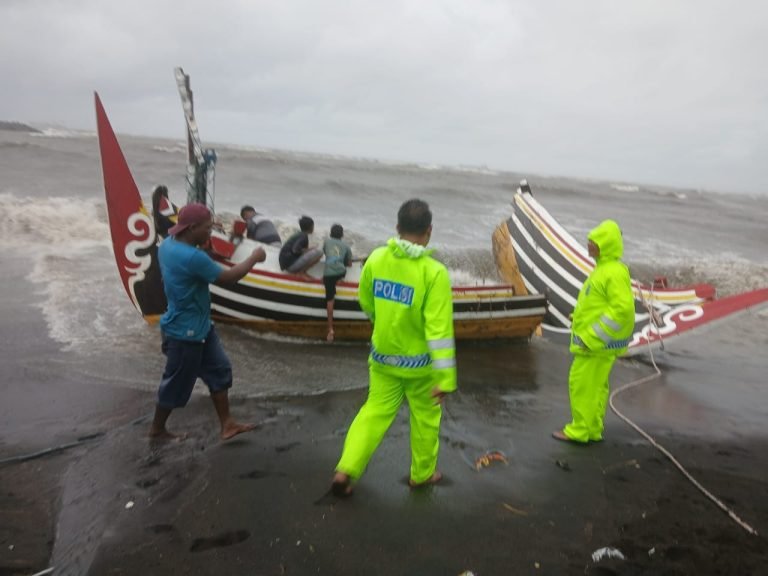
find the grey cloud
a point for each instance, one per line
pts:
(646, 91)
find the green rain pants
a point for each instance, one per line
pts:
(385, 395)
(588, 389)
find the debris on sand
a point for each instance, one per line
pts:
(601, 553)
(488, 458)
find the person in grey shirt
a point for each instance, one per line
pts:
(338, 257)
(260, 228)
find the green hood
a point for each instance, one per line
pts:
(404, 249)
(607, 235)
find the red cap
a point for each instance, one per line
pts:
(189, 215)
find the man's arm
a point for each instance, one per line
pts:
(231, 275)
(301, 245)
(250, 229)
(621, 303)
(365, 292)
(617, 319)
(438, 330)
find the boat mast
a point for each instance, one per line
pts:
(190, 144)
(201, 164)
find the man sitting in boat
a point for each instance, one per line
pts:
(164, 212)
(296, 256)
(260, 228)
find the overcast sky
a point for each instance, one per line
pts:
(646, 91)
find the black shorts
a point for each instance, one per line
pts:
(330, 286)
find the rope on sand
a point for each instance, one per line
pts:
(663, 450)
(53, 450)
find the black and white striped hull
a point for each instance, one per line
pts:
(551, 262)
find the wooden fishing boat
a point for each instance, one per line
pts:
(535, 253)
(267, 299)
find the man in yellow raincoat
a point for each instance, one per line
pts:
(407, 296)
(602, 326)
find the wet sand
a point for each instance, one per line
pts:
(259, 504)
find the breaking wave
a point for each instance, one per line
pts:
(48, 225)
(63, 133)
(178, 148)
(66, 242)
(728, 273)
(625, 187)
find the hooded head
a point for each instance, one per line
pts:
(607, 236)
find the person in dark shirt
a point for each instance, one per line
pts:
(296, 256)
(260, 228)
(164, 212)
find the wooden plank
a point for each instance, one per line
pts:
(506, 262)
(480, 329)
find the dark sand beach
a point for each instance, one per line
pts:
(259, 505)
(117, 504)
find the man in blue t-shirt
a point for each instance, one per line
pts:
(190, 342)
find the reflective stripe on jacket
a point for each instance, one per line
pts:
(407, 296)
(604, 317)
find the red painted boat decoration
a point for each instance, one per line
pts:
(532, 245)
(130, 224)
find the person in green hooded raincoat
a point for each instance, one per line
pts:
(407, 295)
(602, 326)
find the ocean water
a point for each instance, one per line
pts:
(56, 241)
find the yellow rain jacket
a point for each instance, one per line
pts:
(604, 317)
(407, 296)
(603, 322)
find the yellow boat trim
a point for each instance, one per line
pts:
(552, 238)
(460, 294)
(308, 289)
(687, 296)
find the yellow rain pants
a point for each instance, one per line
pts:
(385, 395)
(588, 389)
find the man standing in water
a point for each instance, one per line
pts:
(602, 325)
(407, 296)
(190, 342)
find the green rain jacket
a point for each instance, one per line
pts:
(407, 296)
(604, 317)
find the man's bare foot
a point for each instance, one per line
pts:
(233, 429)
(341, 487)
(330, 336)
(164, 436)
(434, 479)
